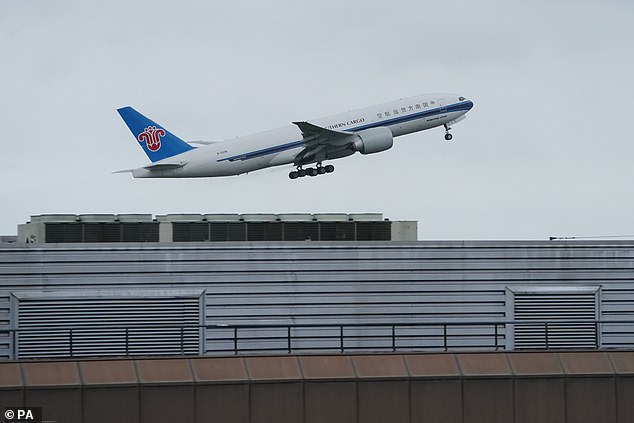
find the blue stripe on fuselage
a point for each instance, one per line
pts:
(466, 106)
(265, 151)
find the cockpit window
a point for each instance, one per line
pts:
(461, 98)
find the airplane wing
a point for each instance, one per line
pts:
(314, 130)
(322, 143)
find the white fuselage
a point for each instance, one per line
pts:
(281, 146)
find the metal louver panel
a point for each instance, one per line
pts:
(555, 319)
(108, 325)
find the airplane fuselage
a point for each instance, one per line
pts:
(283, 145)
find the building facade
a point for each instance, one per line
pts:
(148, 298)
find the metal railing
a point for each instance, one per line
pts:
(221, 339)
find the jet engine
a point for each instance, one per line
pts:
(373, 140)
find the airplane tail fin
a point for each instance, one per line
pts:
(157, 142)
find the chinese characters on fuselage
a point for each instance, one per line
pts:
(396, 112)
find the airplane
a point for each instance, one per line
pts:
(367, 131)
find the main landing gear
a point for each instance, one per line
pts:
(448, 136)
(311, 171)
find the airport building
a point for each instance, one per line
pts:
(309, 318)
(135, 285)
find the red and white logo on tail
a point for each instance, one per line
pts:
(152, 137)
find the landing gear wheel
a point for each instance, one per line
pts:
(448, 136)
(311, 171)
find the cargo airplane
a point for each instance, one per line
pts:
(369, 130)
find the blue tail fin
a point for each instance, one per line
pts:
(157, 142)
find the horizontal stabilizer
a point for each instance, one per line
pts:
(157, 167)
(164, 166)
(203, 142)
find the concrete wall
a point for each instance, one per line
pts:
(569, 387)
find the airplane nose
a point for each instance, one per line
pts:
(467, 104)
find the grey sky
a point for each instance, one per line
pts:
(547, 149)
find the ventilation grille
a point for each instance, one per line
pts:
(102, 232)
(281, 231)
(555, 320)
(108, 326)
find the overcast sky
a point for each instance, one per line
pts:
(546, 150)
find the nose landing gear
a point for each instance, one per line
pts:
(448, 136)
(311, 171)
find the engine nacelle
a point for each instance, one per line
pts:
(373, 140)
